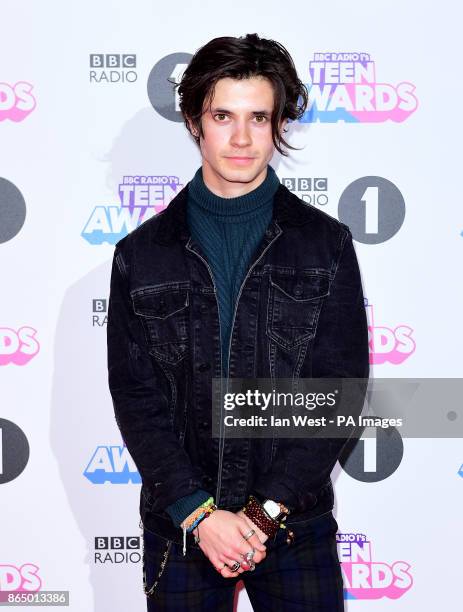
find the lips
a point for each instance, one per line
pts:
(241, 161)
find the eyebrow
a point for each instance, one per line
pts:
(229, 112)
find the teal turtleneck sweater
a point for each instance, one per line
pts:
(228, 231)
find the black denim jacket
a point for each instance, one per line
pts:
(299, 313)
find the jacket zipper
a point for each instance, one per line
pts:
(222, 439)
(220, 333)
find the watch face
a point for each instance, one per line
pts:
(272, 508)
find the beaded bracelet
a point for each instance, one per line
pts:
(188, 521)
(254, 510)
(194, 518)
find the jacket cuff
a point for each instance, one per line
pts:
(180, 509)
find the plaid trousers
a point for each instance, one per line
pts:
(304, 576)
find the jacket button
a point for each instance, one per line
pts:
(203, 367)
(205, 423)
(203, 308)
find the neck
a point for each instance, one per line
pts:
(229, 189)
(232, 209)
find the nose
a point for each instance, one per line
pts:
(241, 136)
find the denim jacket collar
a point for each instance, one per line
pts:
(172, 222)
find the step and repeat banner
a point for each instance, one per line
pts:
(93, 143)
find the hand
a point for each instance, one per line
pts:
(259, 533)
(263, 537)
(221, 540)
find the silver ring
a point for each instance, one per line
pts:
(250, 533)
(249, 562)
(236, 565)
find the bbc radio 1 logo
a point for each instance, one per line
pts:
(14, 451)
(12, 210)
(365, 577)
(313, 190)
(388, 344)
(113, 68)
(343, 86)
(161, 85)
(99, 312)
(140, 197)
(374, 209)
(117, 549)
(16, 101)
(112, 464)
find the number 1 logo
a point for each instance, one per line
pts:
(373, 208)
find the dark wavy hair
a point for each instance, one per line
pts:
(241, 58)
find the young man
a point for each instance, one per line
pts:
(236, 278)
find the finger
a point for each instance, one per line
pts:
(230, 558)
(246, 548)
(256, 543)
(257, 557)
(245, 525)
(248, 560)
(230, 561)
(219, 564)
(227, 573)
(221, 567)
(246, 565)
(249, 566)
(254, 539)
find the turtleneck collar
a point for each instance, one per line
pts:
(233, 209)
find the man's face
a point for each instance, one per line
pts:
(237, 143)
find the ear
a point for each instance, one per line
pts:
(193, 130)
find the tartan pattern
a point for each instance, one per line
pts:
(305, 576)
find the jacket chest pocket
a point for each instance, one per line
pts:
(164, 315)
(294, 306)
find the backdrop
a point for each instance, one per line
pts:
(92, 143)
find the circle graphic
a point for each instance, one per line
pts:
(373, 459)
(161, 80)
(12, 210)
(14, 451)
(373, 208)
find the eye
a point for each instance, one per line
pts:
(219, 115)
(262, 117)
